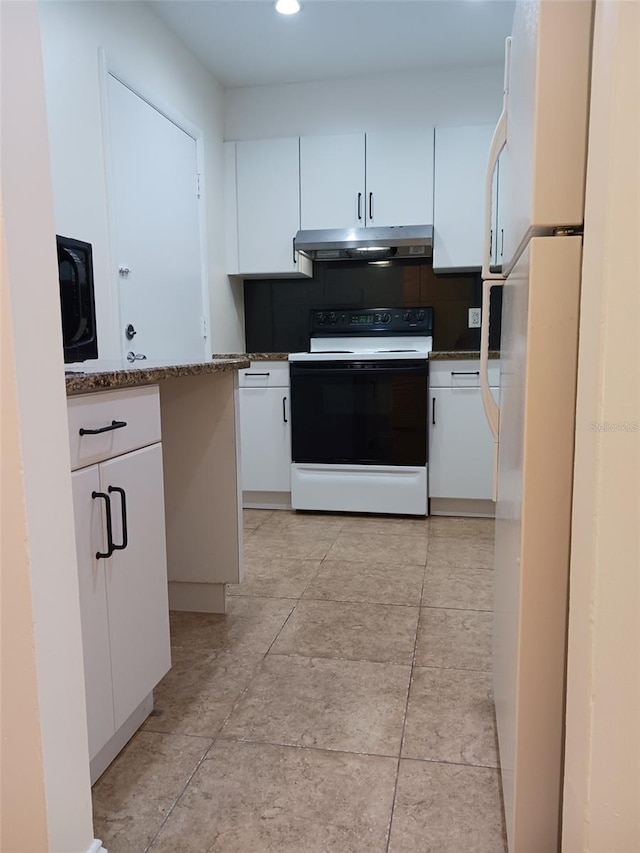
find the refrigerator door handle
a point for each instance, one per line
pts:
(491, 408)
(498, 142)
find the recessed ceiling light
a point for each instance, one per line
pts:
(287, 7)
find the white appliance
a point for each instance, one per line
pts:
(359, 412)
(541, 138)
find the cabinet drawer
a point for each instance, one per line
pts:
(461, 374)
(265, 374)
(137, 408)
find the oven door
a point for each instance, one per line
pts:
(363, 412)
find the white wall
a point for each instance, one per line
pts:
(386, 102)
(602, 757)
(47, 554)
(151, 58)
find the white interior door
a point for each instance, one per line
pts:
(155, 217)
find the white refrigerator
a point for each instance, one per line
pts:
(541, 140)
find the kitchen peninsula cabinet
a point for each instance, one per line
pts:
(164, 459)
(265, 429)
(264, 183)
(117, 485)
(460, 441)
(373, 179)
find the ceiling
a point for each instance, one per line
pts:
(247, 43)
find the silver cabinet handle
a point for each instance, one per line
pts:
(284, 410)
(433, 410)
(370, 205)
(359, 205)
(258, 374)
(465, 373)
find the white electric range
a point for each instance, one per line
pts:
(359, 412)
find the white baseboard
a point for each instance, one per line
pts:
(266, 500)
(197, 597)
(463, 507)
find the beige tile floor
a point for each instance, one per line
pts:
(342, 705)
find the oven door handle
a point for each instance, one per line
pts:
(353, 368)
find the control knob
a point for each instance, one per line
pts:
(420, 316)
(386, 318)
(333, 317)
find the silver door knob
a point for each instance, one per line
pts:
(124, 271)
(135, 356)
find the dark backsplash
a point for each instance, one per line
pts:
(277, 310)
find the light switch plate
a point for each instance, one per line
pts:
(475, 316)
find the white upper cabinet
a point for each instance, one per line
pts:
(373, 179)
(461, 155)
(268, 207)
(332, 181)
(399, 178)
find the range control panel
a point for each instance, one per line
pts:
(372, 321)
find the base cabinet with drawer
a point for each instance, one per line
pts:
(122, 566)
(265, 435)
(460, 441)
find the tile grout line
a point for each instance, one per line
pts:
(406, 711)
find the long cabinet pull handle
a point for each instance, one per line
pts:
(433, 410)
(359, 205)
(123, 503)
(501, 242)
(113, 425)
(110, 546)
(258, 374)
(293, 247)
(465, 373)
(284, 410)
(370, 205)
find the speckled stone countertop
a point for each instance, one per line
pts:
(255, 356)
(283, 356)
(84, 383)
(461, 354)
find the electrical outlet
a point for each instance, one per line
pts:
(475, 315)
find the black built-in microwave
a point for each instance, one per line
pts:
(77, 300)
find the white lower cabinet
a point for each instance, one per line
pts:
(460, 441)
(265, 434)
(122, 568)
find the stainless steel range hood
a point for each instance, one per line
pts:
(366, 244)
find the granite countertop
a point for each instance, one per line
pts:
(435, 354)
(255, 356)
(461, 354)
(101, 380)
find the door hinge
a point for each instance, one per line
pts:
(198, 185)
(204, 327)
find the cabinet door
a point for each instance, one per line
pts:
(460, 445)
(136, 577)
(399, 181)
(89, 515)
(268, 200)
(332, 185)
(265, 439)
(461, 155)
